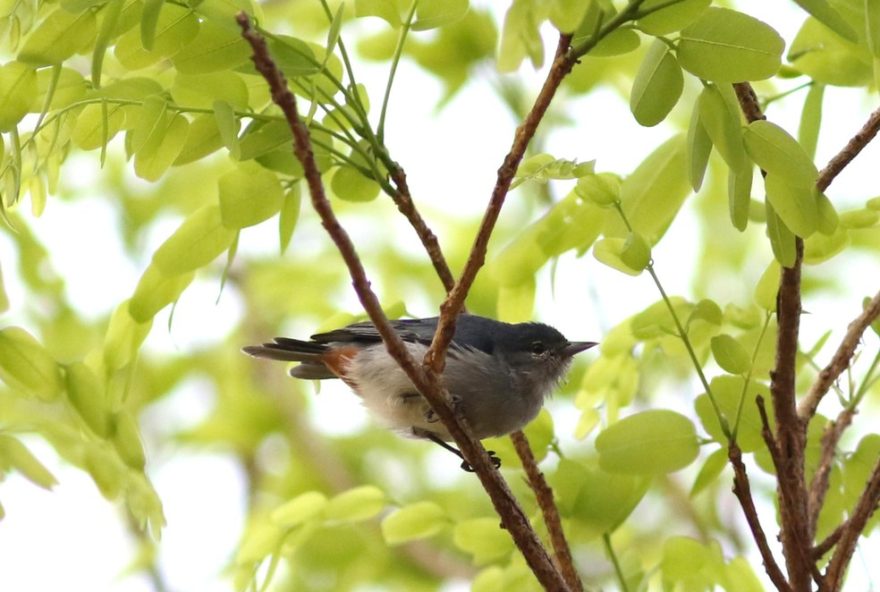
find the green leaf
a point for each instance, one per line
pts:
(25, 365)
(824, 12)
(710, 471)
(387, 10)
(303, 508)
(768, 286)
(673, 17)
(13, 453)
(59, 37)
(543, 167)
(739, 196)
(728, 392)
(721, 119)
(483, 538)
(97, 125)
(260, 541)
(730, 354)
(811, 119)
(227, 125)
(781, 239)
(516, 304)
(176, 28)
(657, 85)
(126, 439)
(86, 394)
(636, 252)
(618, 42)
(566, 15)
(123, 338)
(149, 20)
(215, 48)
(699, 147)
(728, 46)
(822, 247)
(203, 90)
(18, 87)
(294, 56)
(107, 31)
(249, 194)
(158, 154)
(828, 219)
(356, 505)
(796, 205)
(775, 151)
(199, 240)
(289, 216)
(610, 252)
(350, 184)
(597, 499)
(4, 298)
(872, 22)
(651, 442)
(520, 37)
(431, 14)
(828, 58)
(202, 139)
(415, 521)
(155, 291)
(653, 193)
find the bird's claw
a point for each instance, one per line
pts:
(493, 458)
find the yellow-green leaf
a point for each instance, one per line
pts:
(18, 89)
(657, 85)
(355, 504)
(721, 120)
(199, 240)
(724, 45)
(730, 354)
(483, 538)
(155, 291)
(214, 48)
(127, 440)
(86, 394)
(249, 194)
(13, 453)
(26, 365)
(123, 338)
(651, 442)
(300, 509)
(415, 521)
(58, 37)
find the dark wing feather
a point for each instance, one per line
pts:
(412, 330)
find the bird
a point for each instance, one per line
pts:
(497, 374)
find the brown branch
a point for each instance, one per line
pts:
(564, 61)
(403, 199)
(426, 382)
(828, 543)
(790, 435)
(742, 491)
(852, 529)
(819, 483)
(840, 360)
(544, 496)
(850, 151)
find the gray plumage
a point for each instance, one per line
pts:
(498, 374)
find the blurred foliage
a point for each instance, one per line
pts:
(163, 97)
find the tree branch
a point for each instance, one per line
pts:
(435, 358)
(544, 495)
(742, 491)
(840, 361)
(851, 530)
(819, 483)
(790, 435)
(427, 382)
(850, 151)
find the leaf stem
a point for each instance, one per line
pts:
(606, 541)
(395, 60)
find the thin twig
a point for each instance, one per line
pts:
(852, 529)
(435, 358)
(850, 151)
(819, 483)
(840, 361)
(544, 495)
(403, 199)
(743, 492)
(828, 542)
(426, 382)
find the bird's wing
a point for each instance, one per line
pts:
(411, 330)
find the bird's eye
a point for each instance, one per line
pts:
(538, 348)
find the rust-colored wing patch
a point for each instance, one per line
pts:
(338, 359)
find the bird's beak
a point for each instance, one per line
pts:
(576, 347)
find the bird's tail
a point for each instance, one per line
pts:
(286, 349)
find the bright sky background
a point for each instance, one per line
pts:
(83, 534)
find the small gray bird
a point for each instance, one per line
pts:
(497, 374)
